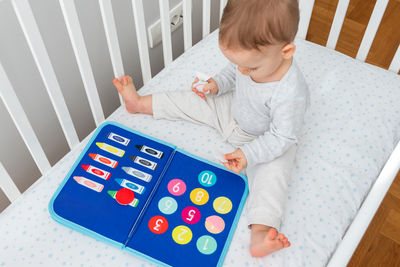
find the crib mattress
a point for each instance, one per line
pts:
(350, 130)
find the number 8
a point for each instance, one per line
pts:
(199, 196)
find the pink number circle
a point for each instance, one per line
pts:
(191, 215)
(176, 187)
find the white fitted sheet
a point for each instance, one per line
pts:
(350, 130)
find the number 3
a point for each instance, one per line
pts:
(158, 224)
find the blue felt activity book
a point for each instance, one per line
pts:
(151, 199)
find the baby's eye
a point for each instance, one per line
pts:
(252, 69)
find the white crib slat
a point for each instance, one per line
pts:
(21, 121)
(306, 8)
(112, 39)
(222, 5)
(39, 53)
(337, 23)
(140, 27)
(7, 185)
(165, 31)
(367, 211)
(395, 64)
(206, 17)
(82, 57)
(372, 28)
(187, 23)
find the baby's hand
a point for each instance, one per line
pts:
(210, 87)
(236, 161)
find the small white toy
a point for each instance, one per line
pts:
(202, 81)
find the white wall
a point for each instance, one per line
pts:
(20, 68)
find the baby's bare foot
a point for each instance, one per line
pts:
(127, 90)
(266, 240)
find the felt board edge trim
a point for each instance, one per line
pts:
(146, 257)
(239, 210)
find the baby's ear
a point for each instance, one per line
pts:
(288, 50)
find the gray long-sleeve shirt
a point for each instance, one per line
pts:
(273, 111)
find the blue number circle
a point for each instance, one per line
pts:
(207, 178)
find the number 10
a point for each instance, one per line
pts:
(208, 178)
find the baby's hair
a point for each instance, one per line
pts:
(252, 24)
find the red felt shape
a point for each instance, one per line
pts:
(124, 196)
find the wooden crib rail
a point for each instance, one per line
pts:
(337, 23)
(112, 38)
(165, 31)
(7, 185)
(372, 28)
(142, 39)
(187, 23)
(306, 7)
(42, 60)
(81, 55)
(206, 17)
(22, 123)
(395, 64)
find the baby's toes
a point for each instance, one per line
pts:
(272, 233)
(124, 80)
(280, 237)
(129, 79)
(117, 83)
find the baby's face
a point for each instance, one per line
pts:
(256, 64)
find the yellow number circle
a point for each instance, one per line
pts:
(222, 205)
(199, 196)
(182, 234)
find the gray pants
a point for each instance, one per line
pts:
(268, 181)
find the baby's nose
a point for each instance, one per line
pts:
(244, 71)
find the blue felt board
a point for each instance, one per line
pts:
(140, 229)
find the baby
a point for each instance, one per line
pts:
(257, 103)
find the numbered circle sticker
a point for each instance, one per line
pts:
(222, 205)
(215, 224)
(176, 187)
(199, 196)
(158, 224)
(182, 234)
(206, 244)
(167, 205)
(191, 215)
(207, 178)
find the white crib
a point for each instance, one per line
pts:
(345, 248)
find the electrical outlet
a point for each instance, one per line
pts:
(176, 20)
